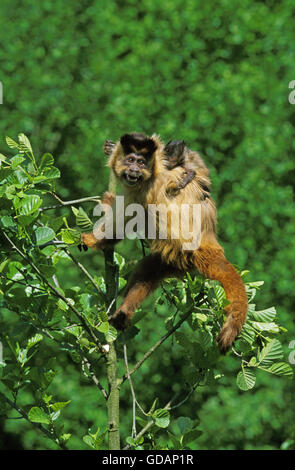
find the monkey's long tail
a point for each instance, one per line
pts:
(211, 262)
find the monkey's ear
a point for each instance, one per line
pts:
(174, 147)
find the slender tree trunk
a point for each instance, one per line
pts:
(113, 400)
(112, 371)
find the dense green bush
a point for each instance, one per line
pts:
(213, 73)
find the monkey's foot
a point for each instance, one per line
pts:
(89, 240)
(120, 320)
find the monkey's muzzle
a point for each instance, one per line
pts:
(132, 178)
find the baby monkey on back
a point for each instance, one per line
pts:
(176, 153)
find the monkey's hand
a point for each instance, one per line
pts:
(120, 320)
(88, 239)
(172, 189)
(108, 147)
(108, 198)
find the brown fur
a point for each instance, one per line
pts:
(168, 259)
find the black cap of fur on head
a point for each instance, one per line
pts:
(138, 141)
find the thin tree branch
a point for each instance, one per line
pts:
(83, 269)
(149, 425)
(132, 392)
(80, 265)
(158, 343)
(69, 203)
(167, 407)
(194, 387)
(94, 378)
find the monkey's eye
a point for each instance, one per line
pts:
(141, 162)
(130, 159)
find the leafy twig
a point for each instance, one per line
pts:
(54, 289)
(37, 425)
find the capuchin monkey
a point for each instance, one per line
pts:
(139, 163)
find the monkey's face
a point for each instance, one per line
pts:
(134, 168)
(136, 160)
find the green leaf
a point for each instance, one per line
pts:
(185, 424)
(266, 315)
(74, 330)
(119, 260)
(254, 284)
(271, 352)
(246, 379)
(59, 405)
(248, 333)
(130, 441)
(103, 327)
(7, 221)
(24, 144)
(46, 160)
(34, 340)
(175, 440)
(102, 316)
(30, 204)
(37, 415)
(270, 327)
(190, 437)
(89, 441)
(25, 220)
(70, 236)
(44, 235)
(101, 283)
(43, 377)
(219, 294)
(51, 173)
(111, 334)
(162, 418)
(16, 161)
(280, 368)
(82, 219)
(11, 143)
(200, 316)
(94, 440)
(3, 264)
(205, 339)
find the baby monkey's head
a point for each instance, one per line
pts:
(174, 153)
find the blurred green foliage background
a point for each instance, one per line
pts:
(215, 74)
